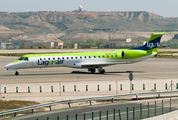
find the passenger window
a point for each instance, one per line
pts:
(67, 57)
(63, 58)
(75, 57)
(40, 58)
(80, 57)
(98, 56)
(89, 56)
(111, 55)
(44, 58)
(107, 55)
(94, 56)
(103, 56)
(58, 58)
(85, 57)
(71, 57)
(53, 58)
(116, 55)
(48, 58)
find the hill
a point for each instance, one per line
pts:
(80, 25)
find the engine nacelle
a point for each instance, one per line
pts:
(130, 54)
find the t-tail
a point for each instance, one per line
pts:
(153, 42)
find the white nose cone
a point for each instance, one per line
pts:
(7, 66)
(10, 66)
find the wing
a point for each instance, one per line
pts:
(91, 65)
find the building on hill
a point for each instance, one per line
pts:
(5, 45)
(30, 44)
(34, 45)
(18, 43)
(123, 43)
(66, 46)
(58, 45)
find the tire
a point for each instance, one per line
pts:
(92, 71)
(16, 73)
(102, 71)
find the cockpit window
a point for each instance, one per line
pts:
(26, 58)
(21, 58)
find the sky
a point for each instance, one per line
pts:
(165, 8)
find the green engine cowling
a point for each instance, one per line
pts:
(130, 54)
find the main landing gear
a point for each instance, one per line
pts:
(101, 70)
(92, 70)
(16, 73)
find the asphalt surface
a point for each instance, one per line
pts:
(140, 111)
(153, 69)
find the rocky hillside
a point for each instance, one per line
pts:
(79, 25)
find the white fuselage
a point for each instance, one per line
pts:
(67, 61)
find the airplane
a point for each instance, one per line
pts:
(89, 60)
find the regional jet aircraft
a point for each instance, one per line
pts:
(89, 60)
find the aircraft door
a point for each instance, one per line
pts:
(30, 62)
(34, 61)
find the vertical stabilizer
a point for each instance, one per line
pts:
(153, 42)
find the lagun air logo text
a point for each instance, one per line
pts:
(50, 62)
(151, 45)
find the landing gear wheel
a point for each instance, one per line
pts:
(102, 71)
(92, 71)
(16, 73)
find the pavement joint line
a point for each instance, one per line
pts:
(148, 66)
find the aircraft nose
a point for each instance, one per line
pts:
(11, 66)
(7, 66)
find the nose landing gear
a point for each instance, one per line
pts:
(16, 73)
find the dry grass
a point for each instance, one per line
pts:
(153, 90)
(14, 104)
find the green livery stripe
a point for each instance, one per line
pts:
(16, 61)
